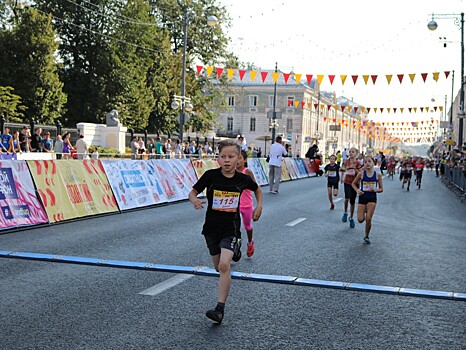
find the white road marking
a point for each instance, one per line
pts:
(167, 284)
(336, 200)
(295, 222)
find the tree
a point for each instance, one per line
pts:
(30, 67)
(10, 105)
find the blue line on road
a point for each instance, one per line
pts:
(205, 271)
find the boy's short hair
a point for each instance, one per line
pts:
(228, 143)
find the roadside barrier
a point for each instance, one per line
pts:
(455, 180)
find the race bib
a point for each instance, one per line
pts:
(332, 173)
(409, 168)
(225, 201)
(351, 172)
(369, 186)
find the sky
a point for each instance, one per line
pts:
(359, 37)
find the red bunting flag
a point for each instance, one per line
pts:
(381, 109)
(409, 109)
(422, 109)
(309, 78)
(199, 69)
(356, 109)
(241, 74)
(325, 119)
(219, 72)
(303, 104)
(286, 76)
(316, 105)
(374, 78)
(290, 103)
(343, 108)
(355, 78)
(331, 78)
(264, 76)
(400, 77)
(424, 76)
(435, 108)
(447, 74)
(328, 107)
(394, 110)
(368, 109)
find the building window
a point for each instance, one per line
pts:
(289, 124)
(253, 101)
(290, 100)
(230, 124)
(271, 101)
(231, 101)
(252, 124)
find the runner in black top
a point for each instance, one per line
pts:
(222, 222)
(332, 172)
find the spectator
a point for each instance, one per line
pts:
(36, 141)
(95, 153)
(142, 146)
(168, 148)
(259, 153)
(134, 148)
(81, 147)
(339, 157)
(151, 148)
(67, 147)
(58, 147)
(6, 141)
(242, 142)
(16, 148)
(24, 136)
(277, 151)
(47, 143)
(186, 149)
(344, 155)
(192, 147)
(158, 147)
(178, 149)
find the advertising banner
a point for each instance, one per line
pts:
(290, 165)
(18, 201)
(254, 165)
(265, 167)
(202, 165)
(72, 189)
(309, 168)
(154, 183)
(130, 185)
(302, 172)
(174, 187)
(285, 173)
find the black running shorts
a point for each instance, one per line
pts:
(350, 193)
(215, 244)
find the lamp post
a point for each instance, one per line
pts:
(459, 21)
(181, 100)
(274, 113)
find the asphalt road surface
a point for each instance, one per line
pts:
(418, 241)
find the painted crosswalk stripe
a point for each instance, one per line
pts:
(167, 284)
(295, 222)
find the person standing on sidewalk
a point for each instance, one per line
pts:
(370, 184)
(350, 169)
(222, 221)
(277, 151)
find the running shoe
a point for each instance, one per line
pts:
(366, 240)
(345, 217)
(250, 250)
(274, 192)
(215, 315)
(351, 223)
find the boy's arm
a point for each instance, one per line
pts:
(258, 209)
(196, 202)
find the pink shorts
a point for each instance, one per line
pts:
(246, 215)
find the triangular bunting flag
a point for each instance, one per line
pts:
(356, 109)
(253, 74)
(331, 78)
(296, 104)
(309, 105)
(241, 74)
(368, 110)
(422, 109)
(328, 107)
(316, 105)
(409, 109)
(275, 76)
(355, 78)
(424, 76)
(402, 109)
(286, 76)
(394, 110)
(381, 109)
(440, 108)
(320, 77)
(303, 104)
(219, 72)
(436, 74)
(264, 76)
(415, 109)
(309, 78)
(343, 108)
(400, 77)
(209, 71)
(230, 73)
(388, 110)
(435, 108)
(290, 103)
(199, 69)
(447, 74)
(411, 76)
(343, 79)
(374, 78)
(375, 109)
(298, 78)
(389, 78)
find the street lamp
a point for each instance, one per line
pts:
(274, 113)
(459, 21)
(181, 100)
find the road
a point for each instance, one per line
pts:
(418, 241)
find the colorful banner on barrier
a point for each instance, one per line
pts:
(291, 167)
(72, 189)
(18, 201)
(265, 167)
(175, 188)
(302, 172)
(254, 165)
(202, 165)
(130, 185)
(309, 168)
(285, 173)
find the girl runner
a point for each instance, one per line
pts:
(370, 184)
(419, 170)
(391, 166)
(332, 171)
(350, 169)
(246, 206)
(408, 172)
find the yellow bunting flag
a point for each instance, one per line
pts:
(415, 109)
(275, 76)
(375, 109)
(253, 74)
(320, 77)
(402, 109)
(436, 74)
(298, 78)
(230, 73)
(411, 76)
(209, 70)
(296, 104)
(388, 109)
(366, 78)
(389, 78)
(343, 79)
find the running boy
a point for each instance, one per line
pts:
(332, 173)
(350, 169)
(370, 184)
(222, 222)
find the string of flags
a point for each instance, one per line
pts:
(261, 76)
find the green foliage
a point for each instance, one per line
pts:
(10, 105)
